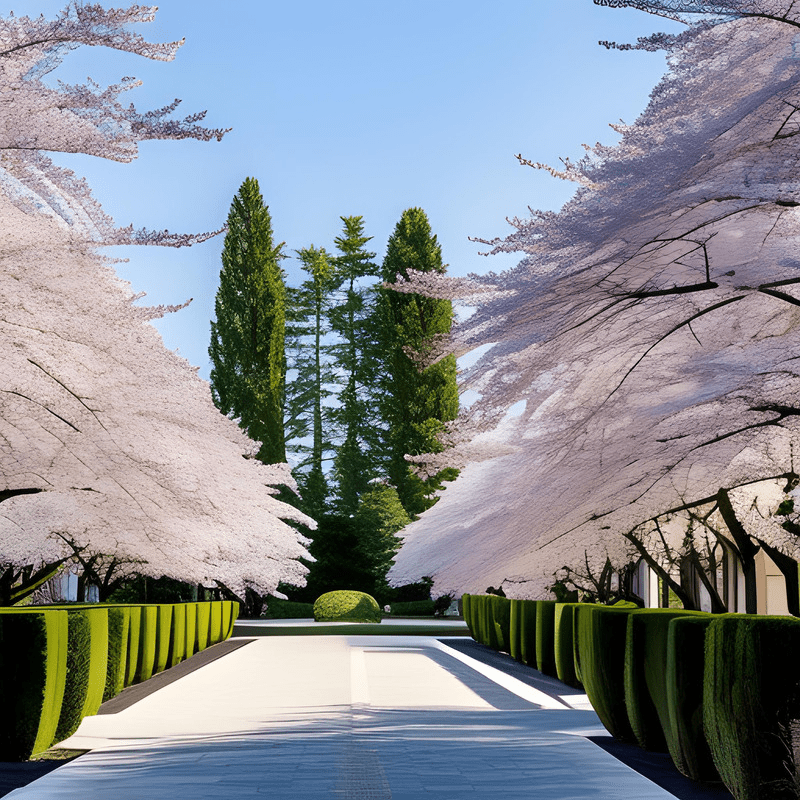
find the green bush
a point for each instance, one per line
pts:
(468, 611)
(563, 645)
(579, 616)
(148, 643)
(525, 632)
(545, 636)
(191, 629)
(33, 660)
(163, 637)
(415, 608)
(287, 609)
(500, 609)
(177, 639)
(215, 632)
(645, 675)
(202, 627)
(686, 739)
(479, 604)
(472, 604)
(750, 703)
(346, 605)
(490, 632)
(134, 637)
(119, 620)
(77, 680)
(230, 612)
(601, 645)
(514, 633)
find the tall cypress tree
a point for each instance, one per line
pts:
(356, 418)
(416, 403)
(247, 337)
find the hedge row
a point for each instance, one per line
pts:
(59, 663)
(720, 693)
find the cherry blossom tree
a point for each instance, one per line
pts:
(110, 443)
(641, 360)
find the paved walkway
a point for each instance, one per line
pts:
(354, 717)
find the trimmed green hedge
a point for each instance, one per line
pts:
(119, 621)
(215, 631)
(58, 663)
(177, 642)
(202, 627)
(645, 675)
(563, 644)
(525, 631)
(601, 643)
(33, 671)
(500, 609)
(545, 636)
(191, 629)
(346, 606)
(751, 700)
(686, 738)
(414, 608)
(79, 646)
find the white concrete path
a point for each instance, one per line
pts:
(355, 717)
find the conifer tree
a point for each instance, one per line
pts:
(248, 335)
(356, 418)
(313, 375)
(417, 401)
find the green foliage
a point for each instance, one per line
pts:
(119, 620)
(356, 418)
(248, 334)
(416, 608)
(313, 374)
(526, 619)
(215, 632)
(646, 656)
(148, 642)
(164, 635)
(501, 619)
(77, 680)
(202, 626)
(602, 635)
(286, 609)
(144, 589)
(33, 659)
(346, 606)
(177, 639)
(417, 402)
(751, 702)
(334, 546)
(563, 643)
(686, 739)
(420, 590)
(545, 636)
(380, 515)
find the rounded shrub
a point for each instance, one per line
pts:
(346, 605)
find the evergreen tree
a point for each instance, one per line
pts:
(416, 402)
(247, 337)
(356, 418)
(313, 375)
(379, 517)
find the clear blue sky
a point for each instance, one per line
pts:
(363, 107)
